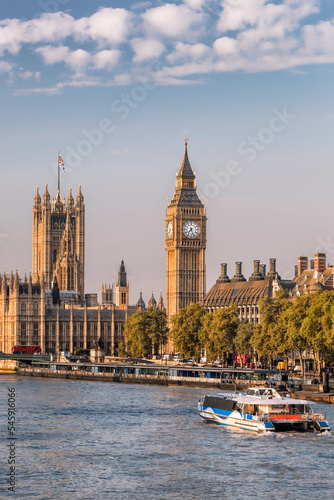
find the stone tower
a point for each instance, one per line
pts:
(59, 241)
(122, 288)
(185, 242)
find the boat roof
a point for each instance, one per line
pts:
(263, 400)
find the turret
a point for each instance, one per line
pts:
(161, 305)
(152, 302)
(37, 200)
(46, 198)
(80, 198)
(141, 304)
(70, 203)
(122, 288)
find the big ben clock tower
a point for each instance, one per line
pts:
(185, 242)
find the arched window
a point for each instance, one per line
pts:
(23, 308)
(35, 309)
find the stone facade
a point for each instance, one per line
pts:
(59, 241)
(185, 242)
(50, 308)
(246, 295)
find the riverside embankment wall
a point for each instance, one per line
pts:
(128, 378)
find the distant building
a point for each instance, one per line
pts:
(314, 277)
(50, 308)
(246, 295)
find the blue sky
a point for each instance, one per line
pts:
(116, 86)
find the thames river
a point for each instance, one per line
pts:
(95, 440)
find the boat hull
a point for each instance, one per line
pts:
(245, 422)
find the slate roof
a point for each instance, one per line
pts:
(185, 169)
(186, 197)
(312, 281)
(239, 293)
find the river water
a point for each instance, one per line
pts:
(95, 440)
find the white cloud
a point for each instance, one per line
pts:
(171, 21)
(105, 26)
(145, 49)
(106, 59)
(195, 4)
(225, 45)
(78, 60)
(264, 14)
(319, 39)
(25, 75)
(52, 55)
(268, 35)
(5, 67)
(186, 50)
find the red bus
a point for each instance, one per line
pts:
(26, 349)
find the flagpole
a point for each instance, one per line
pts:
(58, 172)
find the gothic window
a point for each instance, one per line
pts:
(35, 331)
(23, 308)
(23, 329)
(35, 309)
(123, 298)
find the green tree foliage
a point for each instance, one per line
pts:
(219, 331)
(318, 325)
(144, 332)
(185, 331)
(242, 340)
(294, 318)
(269, 338)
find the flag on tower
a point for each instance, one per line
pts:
(61, 162)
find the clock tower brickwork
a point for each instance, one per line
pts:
(185, 242)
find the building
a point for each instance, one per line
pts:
(246, 295)
(317, 276)
(50, 308)
(185, 242)
(59, 241)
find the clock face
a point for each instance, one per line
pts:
(169, 230)
(191, 229)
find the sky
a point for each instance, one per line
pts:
(116, 86)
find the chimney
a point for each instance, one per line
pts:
(296, 271)
(263, 270)
(312, 264)
(302, 264)
(272, 265)
(223, 278)
(238, 273)
(256, 276)
(320, 262)
(256, 266)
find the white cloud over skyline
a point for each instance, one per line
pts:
(188, 39)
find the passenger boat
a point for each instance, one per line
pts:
(262, 409)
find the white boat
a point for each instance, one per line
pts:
(262, 409)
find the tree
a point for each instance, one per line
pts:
(219, 331)
(137, 341)
(156, 328)
(318, 325)
(270, 337)
(186, 326)
(145, 332)
(242, 339)
(296, 337)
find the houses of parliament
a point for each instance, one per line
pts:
(49, 308)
